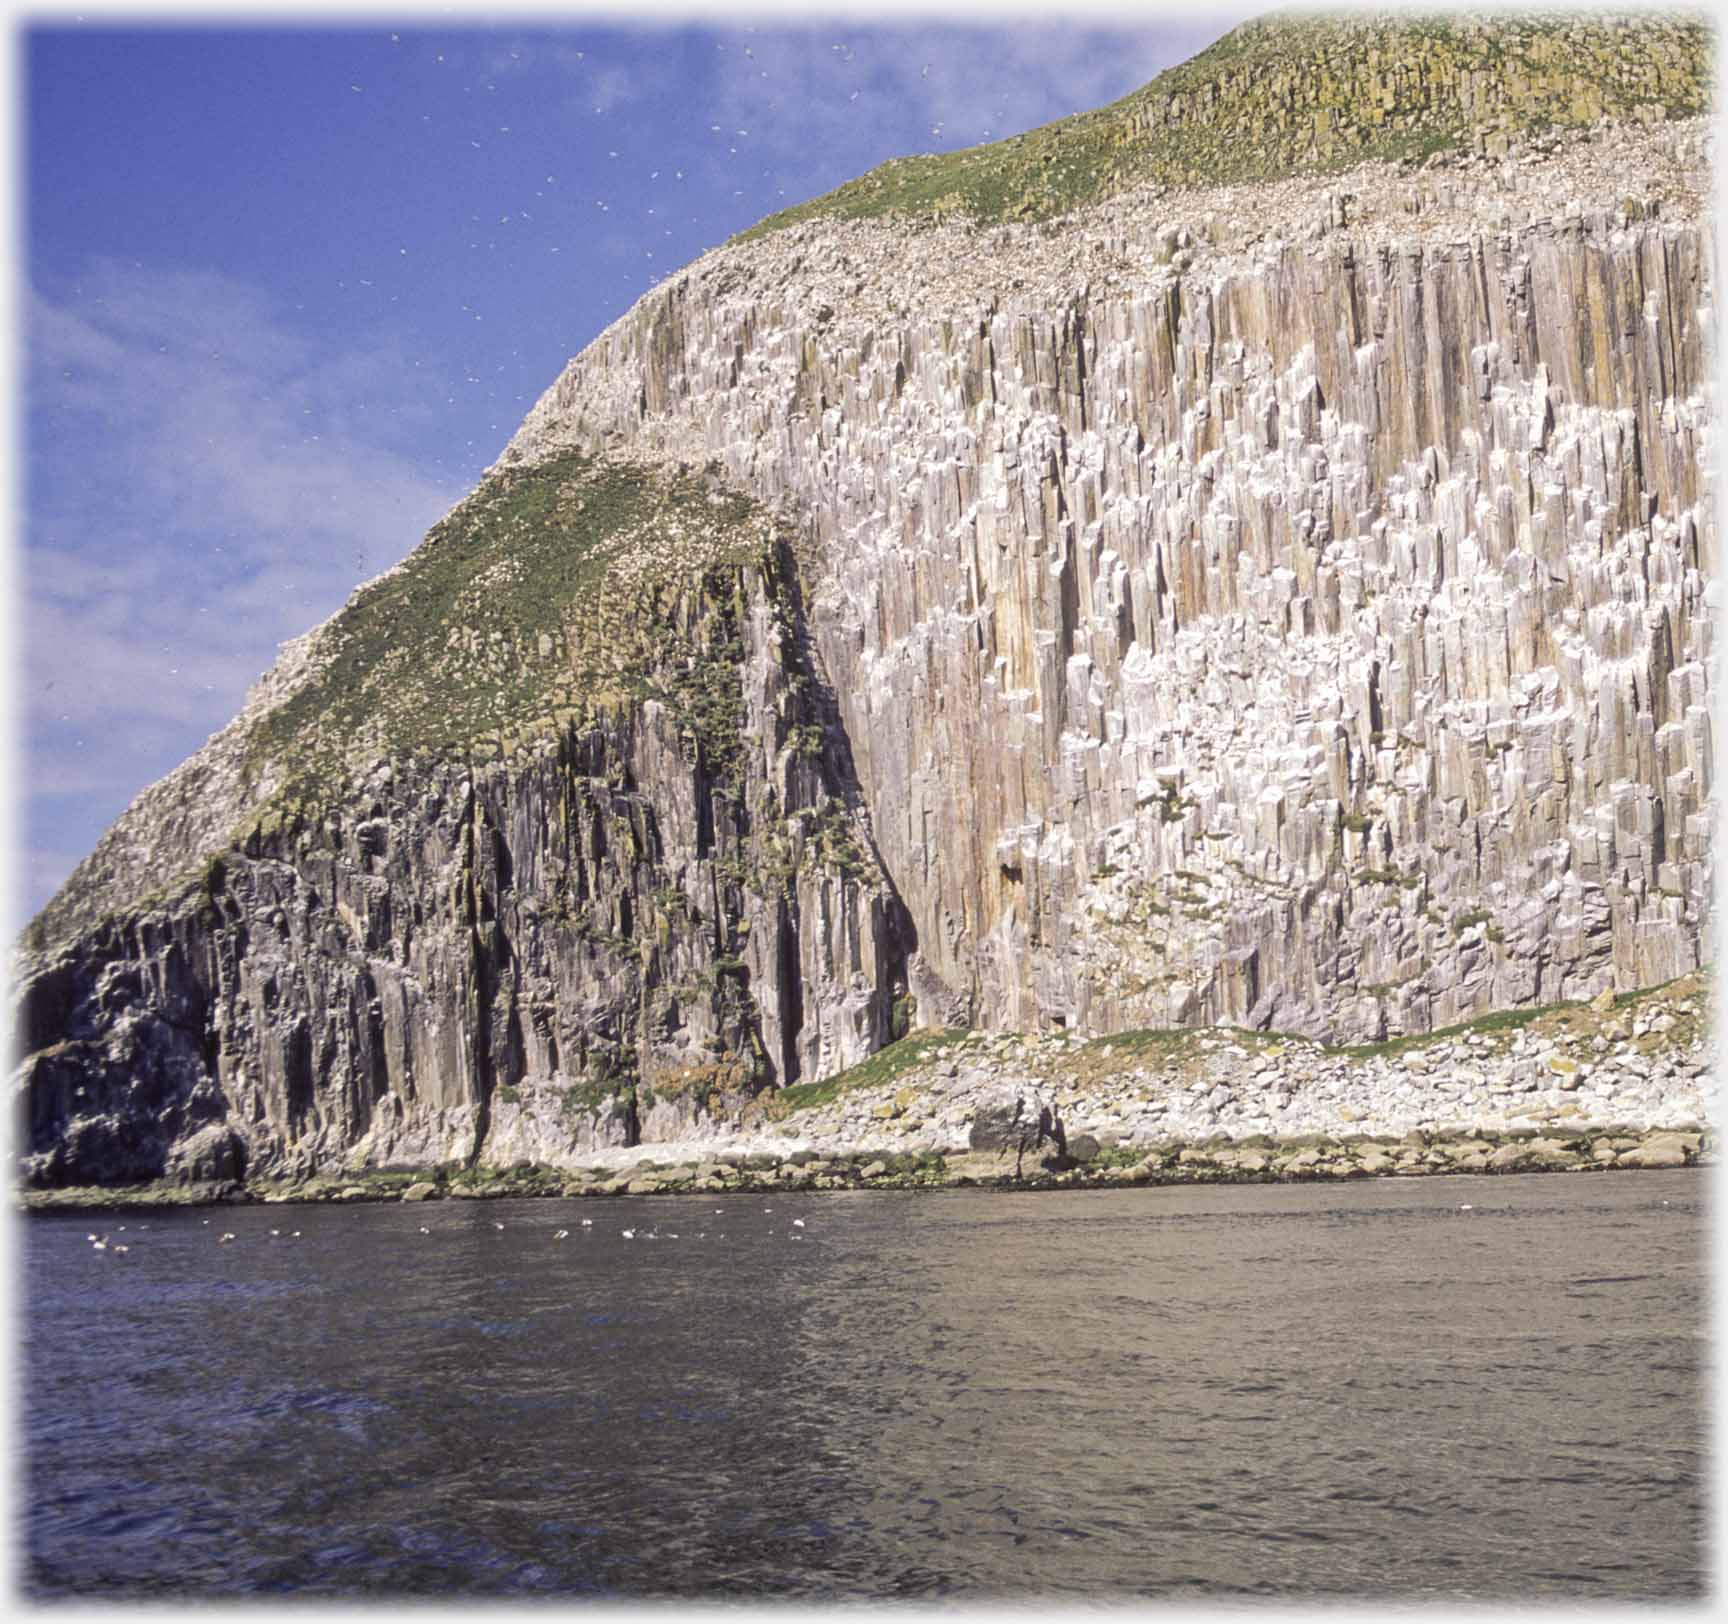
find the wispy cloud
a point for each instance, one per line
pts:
(280, 463)
(798, 90)
(803, 100)
(594, 79)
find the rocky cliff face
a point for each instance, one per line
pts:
(1265, 604)
(574, 882)
(1314, 635)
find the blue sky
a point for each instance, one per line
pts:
(286, 289)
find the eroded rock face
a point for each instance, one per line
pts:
(1240, 606)
(594, 939)
(1314, 637)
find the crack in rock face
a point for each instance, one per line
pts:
(1272, 603)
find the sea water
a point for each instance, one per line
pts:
(1461, 1389)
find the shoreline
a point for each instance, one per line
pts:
(1218, 1159)
(1623, 1082)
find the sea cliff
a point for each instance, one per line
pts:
(1138, 601)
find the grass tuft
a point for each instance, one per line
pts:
(882, 1067)
(549, 593)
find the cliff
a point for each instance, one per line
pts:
(1272, 602)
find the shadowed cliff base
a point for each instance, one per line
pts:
(553, 837)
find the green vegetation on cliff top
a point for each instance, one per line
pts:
(550, 592)
(1304, 92)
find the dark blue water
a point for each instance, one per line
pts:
(1353, 1390)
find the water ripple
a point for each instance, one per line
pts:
(1247, 1393)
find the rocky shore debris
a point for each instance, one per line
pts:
(1614, 1084)
(1219, 1159)
(1034, 1136)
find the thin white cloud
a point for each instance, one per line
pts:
(947, 85)
(594, 78)
(282, 463)
(788, 100)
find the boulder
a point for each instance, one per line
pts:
(214, 1154)
(997, 1124)
(1652, 1156)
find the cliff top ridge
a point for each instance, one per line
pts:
(1311, 92)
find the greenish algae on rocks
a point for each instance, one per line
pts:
(1307, 1159)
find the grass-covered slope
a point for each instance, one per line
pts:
(552, 593)
(1299, 92)
(550, 590)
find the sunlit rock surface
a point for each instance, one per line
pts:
(1315, 636)
(1285, 604)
